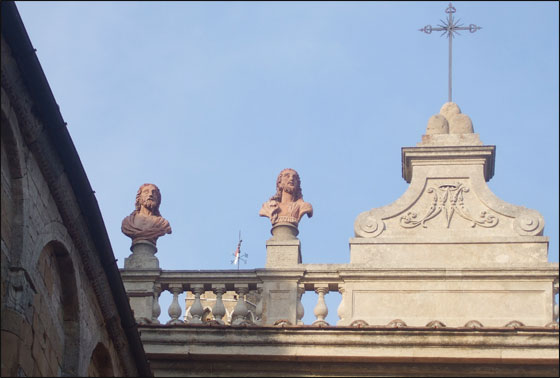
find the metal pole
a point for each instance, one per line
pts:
(450, 36)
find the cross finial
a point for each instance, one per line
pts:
(449, 28)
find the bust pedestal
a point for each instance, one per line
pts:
(142, 257)
(283, 248)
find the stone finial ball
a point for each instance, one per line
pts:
(449, 109)
(437, 124)
(461, 124)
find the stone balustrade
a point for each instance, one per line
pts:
(276, 295)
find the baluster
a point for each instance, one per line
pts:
(258, 308)
(240, 311)
(341, 307)
(156, 309)
(219, 309)
(196, 309)
(321, 311)
(300, 311)
(174, 309)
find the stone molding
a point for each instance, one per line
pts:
(448, 155)
(503, 345)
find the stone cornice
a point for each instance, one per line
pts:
(533, 345)
(447, 155)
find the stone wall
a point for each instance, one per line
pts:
(59, 314)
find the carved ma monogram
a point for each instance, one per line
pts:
(448, 199)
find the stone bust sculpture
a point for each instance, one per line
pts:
(287, 205)
(145, 222)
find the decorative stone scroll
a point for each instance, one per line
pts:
(448, 199)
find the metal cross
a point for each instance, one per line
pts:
(449, 27)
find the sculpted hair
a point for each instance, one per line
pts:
(297, 190)
(158, 200)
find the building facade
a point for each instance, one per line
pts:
(447, 280)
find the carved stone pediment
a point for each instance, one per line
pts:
(448, 216)
(449, 199)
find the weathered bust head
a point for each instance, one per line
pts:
(286, 205)
(145, 222)
(289, 181)
(149, 197)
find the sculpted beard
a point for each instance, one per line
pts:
(150, 204)
(289, 189)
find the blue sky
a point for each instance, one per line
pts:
(210, 100)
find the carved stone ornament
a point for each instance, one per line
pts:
(448, 199)
(145, 223)
(473, 324)
(286, 205)
(514, 324)
(447, 173)
(369, 225)
(397, 323)
(282, 323)
(359, 323)
(529, 222)
(553, 325)
(435, 324)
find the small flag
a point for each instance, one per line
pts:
(236, 254)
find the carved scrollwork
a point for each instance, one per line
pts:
(553, 325)
(448, 199)
(529, 223)
(368, 225)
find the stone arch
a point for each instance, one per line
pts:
(59, 307)
(101, 363)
